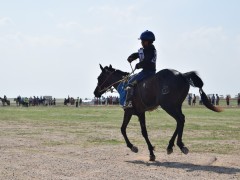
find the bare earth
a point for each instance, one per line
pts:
(23, 158)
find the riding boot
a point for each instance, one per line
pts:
(128, 101)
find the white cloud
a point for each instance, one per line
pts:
(199, 45)
(94, 30)
(50, 14)
(120, 14)
(22, 40)
(193, 49)
(73, 25)
(45, 41)
(210, 51)
(5, 21)
(207, 38)
(69, 25)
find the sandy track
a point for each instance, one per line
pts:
(24, 159)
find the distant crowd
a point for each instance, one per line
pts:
(109, 100)
(192, 99)
(72, 101)
(35, 101)
(30, 101)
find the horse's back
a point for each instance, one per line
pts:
(165, 76)
(167, 73)
(166, 86)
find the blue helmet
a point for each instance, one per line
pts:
(147, 36)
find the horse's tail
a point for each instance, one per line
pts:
(195, 81)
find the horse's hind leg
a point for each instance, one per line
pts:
(126, 119)
(177, 114)
(145, 135)
(180, 132)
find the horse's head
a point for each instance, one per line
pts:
(104, 80)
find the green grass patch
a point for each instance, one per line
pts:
(205, 131)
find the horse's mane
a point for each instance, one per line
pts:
(121, 72)
(110, 68)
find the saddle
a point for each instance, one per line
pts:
(144, 87)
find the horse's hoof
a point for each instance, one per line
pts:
(185, 150)
(152, 158)
(134, 149)
(169, 151)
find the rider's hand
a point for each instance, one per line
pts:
(137, 66)
(132, 57)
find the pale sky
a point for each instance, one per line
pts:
(54, 47)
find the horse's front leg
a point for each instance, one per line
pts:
(142, 121)
(171, 142)
(126, 119)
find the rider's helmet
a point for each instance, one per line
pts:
(147, 36)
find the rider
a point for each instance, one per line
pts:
(147, 62)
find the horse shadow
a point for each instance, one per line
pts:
(189, 167)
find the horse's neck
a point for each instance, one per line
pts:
(116, 82)
(117, 79)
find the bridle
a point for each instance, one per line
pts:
(108, 87)
(105, 88)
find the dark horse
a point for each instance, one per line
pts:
(69, 100)
(167, 88)
(5, 101)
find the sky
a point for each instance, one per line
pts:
(54, 47)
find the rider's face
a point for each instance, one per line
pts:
(145, 43)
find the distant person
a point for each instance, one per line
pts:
(217, 100)
(65, 101)
(26, 101)
(68, 98)
(189, 99)
(4, 100)
(228, 100)
(18, 100)
(77, 102)
(194, 100)
(103, 100)
(80, 101)
(200, 101)
(37, 100)
(213, 99)
(209, 99)
(238, 100)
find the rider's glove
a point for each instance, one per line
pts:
(132, 57)
(137, 66)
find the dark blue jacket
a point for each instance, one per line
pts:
(147, 57)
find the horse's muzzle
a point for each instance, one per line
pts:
(97, 93)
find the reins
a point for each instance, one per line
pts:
(121, 80)
(106, 80)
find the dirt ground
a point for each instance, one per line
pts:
(23, 158)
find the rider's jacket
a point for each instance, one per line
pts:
(147, 58)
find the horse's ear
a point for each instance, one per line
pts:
(101, 67)
(110, 66)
